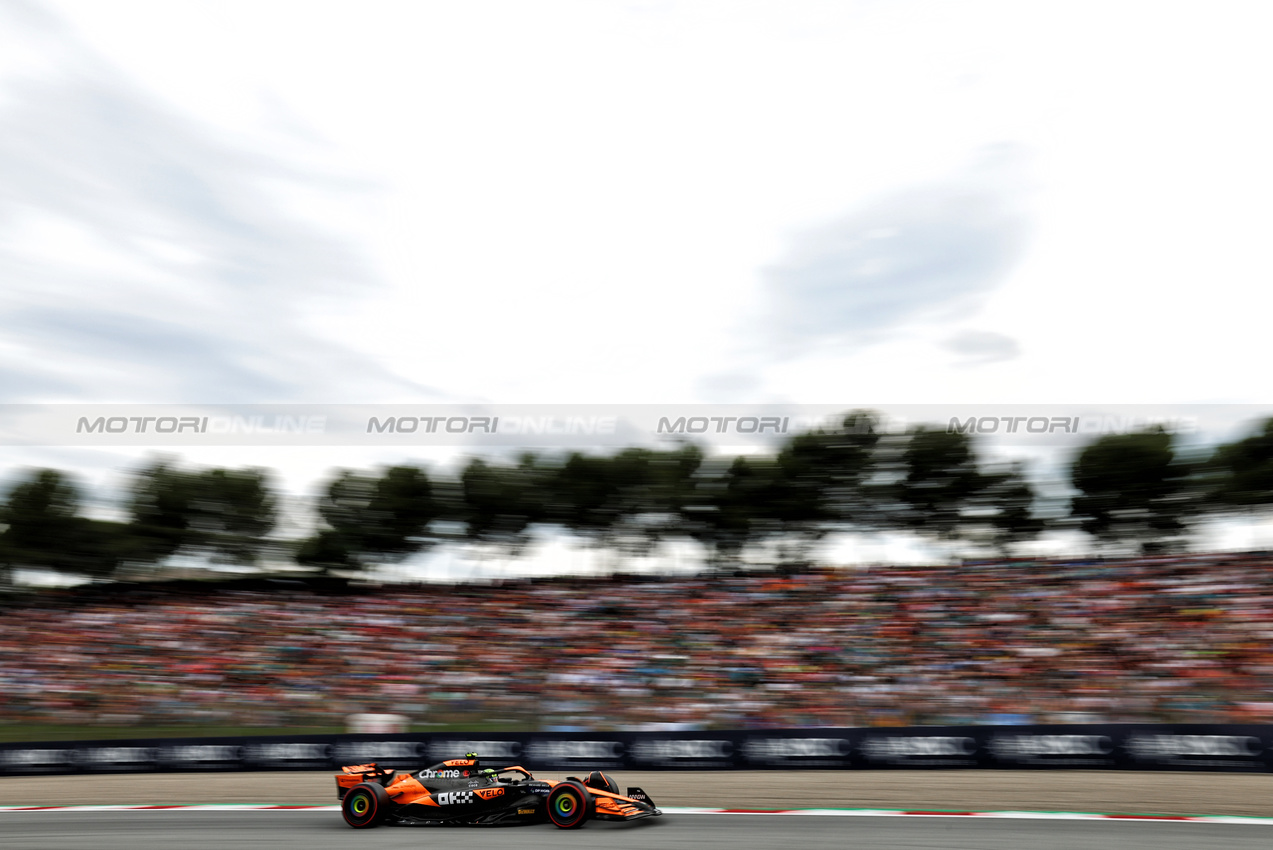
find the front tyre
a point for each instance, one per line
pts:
(568, 805)
(365, 805)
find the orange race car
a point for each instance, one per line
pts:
(464, 791)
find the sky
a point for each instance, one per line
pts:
(870, 203)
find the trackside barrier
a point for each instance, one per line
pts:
(1232, 748)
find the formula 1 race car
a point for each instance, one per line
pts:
(464, 791)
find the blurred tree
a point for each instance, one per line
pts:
(499, 504)
(40, 511)
(627, 502)
(226, 513)
(1004, 506)
(327, 550)
(823, 482)
(234, 512)
(161, 505)
(939, 482)
(1132, 487)
(43, 529)
(1241, 473)
(402, 509)
(586, 494)
(731, 507)
(343, 507)
(372, 519)
(669, 486)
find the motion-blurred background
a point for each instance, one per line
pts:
(275, 633)
(692, 203)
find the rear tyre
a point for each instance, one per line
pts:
(365, 805)
(569, 805)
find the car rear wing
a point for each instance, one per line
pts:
(354, 774)
(369, 771)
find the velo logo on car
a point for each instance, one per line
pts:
(489, 793)
(454, 798)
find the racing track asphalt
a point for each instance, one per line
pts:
(319, 830)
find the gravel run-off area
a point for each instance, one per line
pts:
(960, 790)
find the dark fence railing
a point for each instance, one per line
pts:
(1245, 748)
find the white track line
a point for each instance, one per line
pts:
(910, 813)
(868, 813)
(206, 807)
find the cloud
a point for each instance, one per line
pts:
(931, 253)
(147, 259)
(727, 387)
(980, 347)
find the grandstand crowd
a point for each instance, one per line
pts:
(1167, 639)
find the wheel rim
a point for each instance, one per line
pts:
(566, 805)
(360, 805)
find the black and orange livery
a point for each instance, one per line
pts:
(464, 791)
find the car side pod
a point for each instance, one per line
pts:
(365, 805)
(569, 805)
